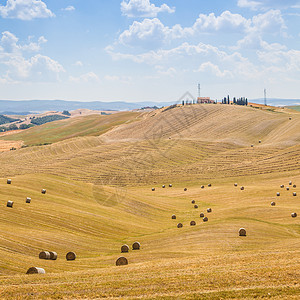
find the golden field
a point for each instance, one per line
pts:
(99, 172)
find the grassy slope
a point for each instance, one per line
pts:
(92, 125)
(94, 218)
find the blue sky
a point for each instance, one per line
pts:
(140, 50)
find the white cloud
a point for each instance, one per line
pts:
(78, 63)
(18, 68)
(267, 4)
(143, 8)
(88, 77)
(69, 8)
(152, 33)
(214, 69)
(113, 78)
(25, 10)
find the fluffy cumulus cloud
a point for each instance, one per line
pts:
(21, 67)
(143, 8)
(267, 4)
(25, 10)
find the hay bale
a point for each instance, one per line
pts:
(195, 206)
(294, 215)
(235, 184)
(192, 223)
(28, 200)
(43, 191)
(185, 189)
(290, 118)
(277, 194)
(259, 141)
(44, 255)
(252, 146)
(273, 203)
(287, 188)
(242, 188)
(170, 185)
(282, 186)
(209, 210)
(10, 203)
(202, 186)
(124, 248)
(209, 185)
(53, 255)
(173, 217)
(290, 183)
(294, 186)
(136, 246)
(153, 189)
(202, 215)
(179, 225)
(35, 270)
(242, 232)
(122, 261)
(71, 255)
(193, 201)
(8, 181)
(294, 194)
(205, 219)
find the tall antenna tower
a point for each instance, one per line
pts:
(199, 90)
(265, 96)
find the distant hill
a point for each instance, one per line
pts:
(18, 107)
(277, 101)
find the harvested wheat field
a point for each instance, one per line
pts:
(99, 197)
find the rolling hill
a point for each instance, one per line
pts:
(99, 172)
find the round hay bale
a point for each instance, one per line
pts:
(8, 181)
(44, 255)
(294, 186)
(163, 186)
(273, 203)
(242, 188)
(202, 215)
(136, 246)
(294, 215)
(259, 141)
(282, 186)
(202, 186)
(71, 255)
(290, 118)
(235, 184)
(153, 189)
(35, 270)
(294, 194)
(170, 185)
(287, 188)
(174, 217)
(122, 261)
(192, 223)
(28, 200)
(209, 210)
(209, 185)
(124, 248)
(185, 189)
(278, 194)
(205, 219)
(252, 146)
(242, 232)
(43, 191)
(193, 201)
(195, 206)
(290, 183)
(53, 255)
(10, 203)
(179, 225)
